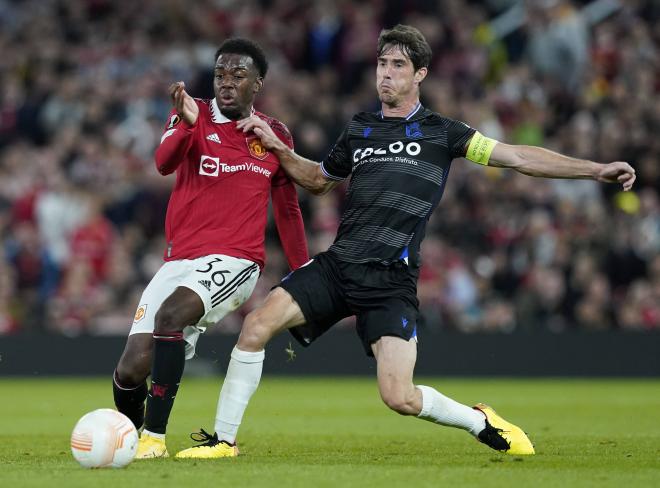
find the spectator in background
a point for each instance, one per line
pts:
(8, 320)
(558, 44)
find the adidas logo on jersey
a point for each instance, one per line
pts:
(206, 284)
(213, 137)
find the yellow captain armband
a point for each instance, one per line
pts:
(480, 148)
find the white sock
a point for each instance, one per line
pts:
(241, 381)
(444, 411)
(153, 434)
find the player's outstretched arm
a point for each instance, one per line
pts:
(537, 161)
(304, 172)
(183, 103)
(177, 138)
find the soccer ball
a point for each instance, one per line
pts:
(104, 438)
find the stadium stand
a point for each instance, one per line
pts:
(84, 102)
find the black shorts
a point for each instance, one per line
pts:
(384, 298)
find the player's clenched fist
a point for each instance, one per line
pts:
(183, 103)
(263, 131)
(620, 172)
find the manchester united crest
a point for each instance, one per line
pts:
(140, 313)
(256, 148)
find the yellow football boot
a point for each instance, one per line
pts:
(210, 447)
(503, 436)
(151, 447)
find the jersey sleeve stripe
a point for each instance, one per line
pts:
(167, 134)
(328, 175)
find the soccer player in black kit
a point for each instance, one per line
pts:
(398, 160)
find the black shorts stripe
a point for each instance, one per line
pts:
(249, 270)
(232, 284)
(242, 277)
(229, 293)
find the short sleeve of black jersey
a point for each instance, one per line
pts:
(337, 165)
(458, 134)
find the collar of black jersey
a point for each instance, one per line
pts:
(417, 110)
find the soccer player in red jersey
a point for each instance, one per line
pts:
(215, 228)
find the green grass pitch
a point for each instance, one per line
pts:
(322, 432)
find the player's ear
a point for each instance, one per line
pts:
(258, 84)
(420, 74)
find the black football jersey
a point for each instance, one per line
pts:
(398, 168)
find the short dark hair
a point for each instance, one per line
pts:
(411, 42)
(239, 45)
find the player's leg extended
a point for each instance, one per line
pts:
(183, 307)
(278, 312)
(396, 360)
(129, 381)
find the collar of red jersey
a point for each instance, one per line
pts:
(216, 114)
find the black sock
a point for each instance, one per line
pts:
(129, 399)
(166, 371)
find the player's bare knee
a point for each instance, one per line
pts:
(134, 364)
(398, 400)
(257, 330)
(396, 403)
(134, 370)
(168, 320)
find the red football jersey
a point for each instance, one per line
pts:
(224, 178)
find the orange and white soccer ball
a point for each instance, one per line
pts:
(104, 438)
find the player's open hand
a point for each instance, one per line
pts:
(262, 130)
(183, 103)
(618, 172)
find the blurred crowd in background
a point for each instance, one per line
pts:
(83, 105)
